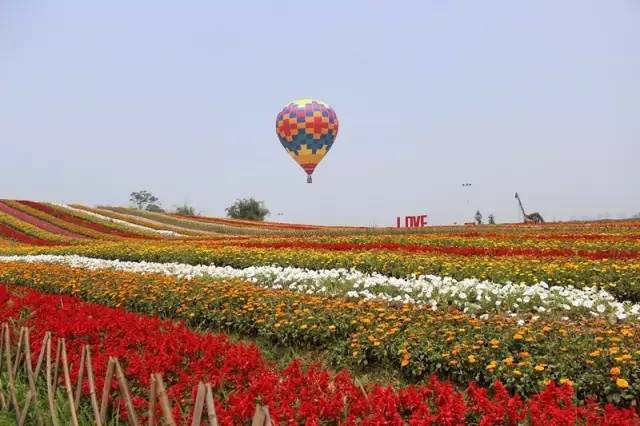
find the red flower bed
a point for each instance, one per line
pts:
(37, 222)
(81, 222)
(457, 251)
(241, 377)
(21, 237)
(531, 236)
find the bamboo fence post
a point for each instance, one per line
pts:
(25, 410)
(261, 416)
(3, 401)
(18, 352)
(46, 337)
(92, 388)
(50, 391)
(57, 363)
(164, 401)
(124, 391)
(80, 374)
(33, 393)
(67, 384)
(152, 402)
(267, 416)
(106, 390)
(9, 365)
(198, 406)
(158, 394)
(211, 408)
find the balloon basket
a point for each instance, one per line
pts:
(309, 179)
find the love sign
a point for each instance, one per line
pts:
(412, 221)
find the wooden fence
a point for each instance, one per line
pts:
(16, 363)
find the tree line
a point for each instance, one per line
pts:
(243, 208)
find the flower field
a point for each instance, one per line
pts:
(240, 376)
(503, 324)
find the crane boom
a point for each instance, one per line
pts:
(521, 206)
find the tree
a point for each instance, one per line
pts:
(154, 208)
(492, 220)
(248, 209)
(186, 210)
(636, 216)
(144, 200)
(478, 217)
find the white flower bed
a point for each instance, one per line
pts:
(121, 222)
(471, 295)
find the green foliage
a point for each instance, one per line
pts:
(186, 210)
(61, 403)
(145, 200)
(154, 208)
(247, 209)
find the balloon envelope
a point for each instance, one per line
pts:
(307, 129)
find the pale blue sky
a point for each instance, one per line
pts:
(542, 97)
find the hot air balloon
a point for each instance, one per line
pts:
(307, 129)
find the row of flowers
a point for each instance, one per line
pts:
(199, 225)
(617, 277)
(446, 246)
(134, 227)
(70, 222)
(82, 231)
(240, 376)
(10, 236)
(127, 216)
(83, 220)
(44, 225)
(524, 352)
(478, 298)
(628, 240)
(23, 232)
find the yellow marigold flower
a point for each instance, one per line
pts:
(405, 362)
(494, 342)
(517, 336)
(566, 382)
(524, 354)
(471, 359)
(517, 373)
(622, 383)
(539, 367)
(615, 371)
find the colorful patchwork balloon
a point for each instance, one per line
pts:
(307, 129)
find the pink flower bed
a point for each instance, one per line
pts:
(37, 222)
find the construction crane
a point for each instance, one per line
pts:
(529, 218)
